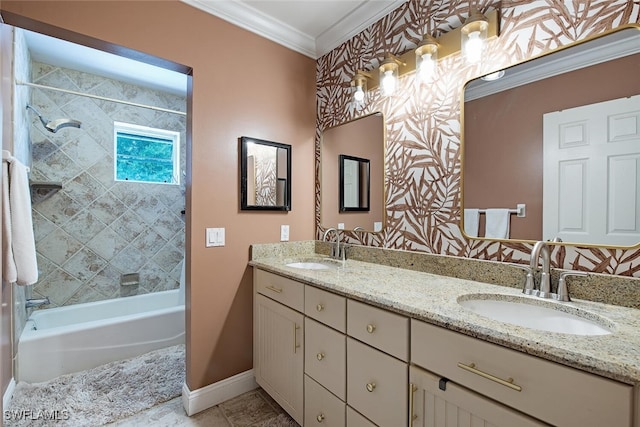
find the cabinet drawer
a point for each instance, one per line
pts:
(553, 393)
(326, 307)
(286, 291)
(321, 407)
(430, 405)
(377, 385)
(354, 419)
(382, 329)
(325, 357)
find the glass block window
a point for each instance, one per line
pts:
(144, 154)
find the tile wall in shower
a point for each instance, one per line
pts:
(95, 229)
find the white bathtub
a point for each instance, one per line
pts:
(62, 340)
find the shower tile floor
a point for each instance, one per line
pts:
(250, 409)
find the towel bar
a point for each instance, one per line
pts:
(520, 210)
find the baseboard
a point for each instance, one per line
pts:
(213, 394)
(8, 393)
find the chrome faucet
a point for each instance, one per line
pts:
(563, 290)
(37, 302)
(542, 249)
(337, 251)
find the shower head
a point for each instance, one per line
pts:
(55, 125)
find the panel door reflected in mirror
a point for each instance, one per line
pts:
(354, 183)
(504, 159)
(352, 174)
(265, 175)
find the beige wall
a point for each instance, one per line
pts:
(508, 126)
(230, 98)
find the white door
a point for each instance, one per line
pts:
(591, 185)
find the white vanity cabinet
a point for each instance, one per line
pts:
(278, 338)
(550, 392)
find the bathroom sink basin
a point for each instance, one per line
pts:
(541, 315)
(314, 265)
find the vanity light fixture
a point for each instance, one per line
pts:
(426, 59)
(473, 36)
(389, 74)
(423, 59)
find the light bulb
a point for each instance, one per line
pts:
(358, 95)
(388, 83)
(473, 48)
(427, 68)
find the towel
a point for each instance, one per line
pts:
(20, 261)
(497, 226)
(471, 222)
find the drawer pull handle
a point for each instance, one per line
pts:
(412, 391)
(296, 346)
(371, 328)
(319, 307)
(320, 356)
(507, 383)
(274, 289)
(320, 418)
(371, 387)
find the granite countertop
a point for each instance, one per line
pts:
(434, 299)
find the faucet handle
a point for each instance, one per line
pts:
(529, 284)
(563, 290)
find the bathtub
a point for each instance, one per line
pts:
(69, 339)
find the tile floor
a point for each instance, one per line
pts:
(251, 409)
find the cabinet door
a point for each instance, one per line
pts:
(376, 385)
(429, 406)
(279, 355)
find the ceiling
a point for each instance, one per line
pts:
(310, 27)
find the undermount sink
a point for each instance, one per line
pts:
(314, 264)
(541, 315)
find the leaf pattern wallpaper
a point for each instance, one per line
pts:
(423, 124)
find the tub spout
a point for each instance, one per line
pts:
(37, 302)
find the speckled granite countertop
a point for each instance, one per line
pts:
(434, 299)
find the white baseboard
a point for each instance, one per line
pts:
(8, 393)
(213, 394)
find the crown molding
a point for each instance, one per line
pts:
(244, 16)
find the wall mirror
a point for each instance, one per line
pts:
(354, 183)
(352, 174)
(559, 133)
(265, 175)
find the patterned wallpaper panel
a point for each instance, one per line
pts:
(423, 123)
(96, 229)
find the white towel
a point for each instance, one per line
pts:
(22, 266)
(471, 222)
(497, 225)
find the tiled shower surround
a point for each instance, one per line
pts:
(95, 229)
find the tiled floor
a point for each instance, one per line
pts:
(251, 409)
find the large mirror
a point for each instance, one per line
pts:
(560, 134)
(265, 175)
(352, 175)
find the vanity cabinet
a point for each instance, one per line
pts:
(278, 340)
(553, 393)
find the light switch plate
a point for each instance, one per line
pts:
(377, 226)
(214, 237)
(284, 233)
(341, 226)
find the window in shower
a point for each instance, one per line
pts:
(144, 154)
